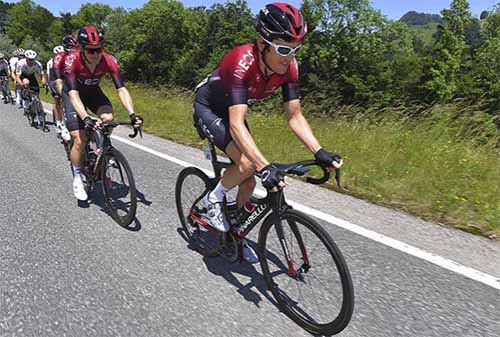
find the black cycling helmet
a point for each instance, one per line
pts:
(281, 21)
(69, 42)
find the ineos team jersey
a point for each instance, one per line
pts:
(77, 73)
(239, 80)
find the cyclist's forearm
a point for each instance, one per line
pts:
(126, 100)
(247, 145)
(300, 127)
(77, 104)
(18, 80)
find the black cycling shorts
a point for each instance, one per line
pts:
(33, 82)
(53, 90)
(92, 98)
(211, 126)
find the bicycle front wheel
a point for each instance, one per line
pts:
(118, 187)
(306, 273)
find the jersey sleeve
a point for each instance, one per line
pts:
(58, 66)
(235, 69)
(49, 66)
(70, 71)
(290, 89)
(114, 71)
(39, 68)
(19, 67)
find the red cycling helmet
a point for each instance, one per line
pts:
(69, 42)
(90, 36)
(281, 21)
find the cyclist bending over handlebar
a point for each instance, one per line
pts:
(83, 70)
(247, 73)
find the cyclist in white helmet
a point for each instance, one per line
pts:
(57, 108)
(18, 55)
(4, 77)
(27, 71)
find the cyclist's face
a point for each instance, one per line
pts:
(279, 63)
(93, 54)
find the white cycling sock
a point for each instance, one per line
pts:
(217, 195)
(77, 170)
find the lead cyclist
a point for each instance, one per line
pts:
(251, 72)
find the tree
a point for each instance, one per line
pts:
(25, 18)
(92, 14)
(449, 52)
(4, 8)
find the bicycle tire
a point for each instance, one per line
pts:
(116, 160)
(307, 273)
(191, 185)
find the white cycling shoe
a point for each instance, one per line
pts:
(215, 215)
(79, 188)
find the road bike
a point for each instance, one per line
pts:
(301, 264)
(105, 164)
(31, 110)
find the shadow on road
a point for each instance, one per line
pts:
(253, 291)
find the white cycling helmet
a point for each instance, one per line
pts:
(19, 52)
(30, 54)
(58, 49)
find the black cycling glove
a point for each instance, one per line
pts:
(326, 159)
(134, 118)
(89, 123)
(271, 176)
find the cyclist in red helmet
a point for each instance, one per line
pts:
(248, 73)
(83, 70)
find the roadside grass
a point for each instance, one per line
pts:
(436, 167)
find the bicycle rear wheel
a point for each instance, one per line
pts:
(191, 186)
(118, 187)
(306, 273)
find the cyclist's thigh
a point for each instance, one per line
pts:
(211, 126)
(73, 121)
(98, 102)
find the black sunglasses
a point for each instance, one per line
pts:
(93, 50)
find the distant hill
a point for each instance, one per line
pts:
(413, 18)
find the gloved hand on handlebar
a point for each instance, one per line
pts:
(136, 120)
(271, 176)
(89, 123)
(327, 159)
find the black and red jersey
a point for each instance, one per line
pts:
(239, 80)
(77, 73)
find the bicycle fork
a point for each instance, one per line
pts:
(292, 271)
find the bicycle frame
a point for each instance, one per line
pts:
(273, 203)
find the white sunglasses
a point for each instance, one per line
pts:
(283, 50)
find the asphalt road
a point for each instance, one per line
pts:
(67, 270)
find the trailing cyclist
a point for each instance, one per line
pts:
(248, 73)
(27, 70)
(83, 70)
(54, 71)
(4, 78)
(18, 55)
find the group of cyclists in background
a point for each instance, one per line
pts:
(246, 74)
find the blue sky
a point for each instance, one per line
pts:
(394, 9)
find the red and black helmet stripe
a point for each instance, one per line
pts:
(90, 36)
